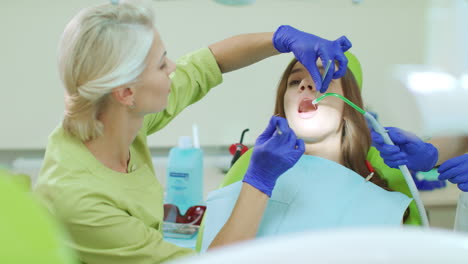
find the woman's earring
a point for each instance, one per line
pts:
(371, 170)
(132, 106)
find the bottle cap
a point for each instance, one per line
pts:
(185, 142)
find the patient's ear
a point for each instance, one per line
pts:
(125, 95)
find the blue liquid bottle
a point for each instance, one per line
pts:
(184, 176)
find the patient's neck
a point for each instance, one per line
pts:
(327, 148)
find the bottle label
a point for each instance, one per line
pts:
(178, 191)
(178, 180)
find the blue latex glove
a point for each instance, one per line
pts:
(308, 48)
(427, 185)
(274, 154)
(409, 150)
(455, 170)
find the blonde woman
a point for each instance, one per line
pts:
(98, 178)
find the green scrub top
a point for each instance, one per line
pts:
(112, 217)
(27, 233)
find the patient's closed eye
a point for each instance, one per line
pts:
(294, 82)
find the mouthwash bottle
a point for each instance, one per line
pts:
(184, 177)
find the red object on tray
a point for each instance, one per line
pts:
(233, 148)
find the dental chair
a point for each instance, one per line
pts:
(28, 233)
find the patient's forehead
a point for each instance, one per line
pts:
(299, 67)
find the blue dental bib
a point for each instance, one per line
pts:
(314, 194)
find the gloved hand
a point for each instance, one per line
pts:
(274, 153)
(409, 150)
(455, 170)
(308, 48)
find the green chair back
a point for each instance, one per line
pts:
(28, 234)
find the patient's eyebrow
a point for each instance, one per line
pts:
(296, 70)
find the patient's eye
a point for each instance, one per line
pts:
(294, 82)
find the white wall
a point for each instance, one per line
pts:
(447, 38)
(383, 33)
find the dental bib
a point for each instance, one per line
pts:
(314, 194)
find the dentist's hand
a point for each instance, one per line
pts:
(455, 170)
(409, 150)
(274, 153)
(308, 48)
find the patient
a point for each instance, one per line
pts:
(332, 185)
(332, 130)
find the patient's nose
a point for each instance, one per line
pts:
(306, 85)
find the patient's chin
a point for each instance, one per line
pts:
(310, 134)
(308, 139)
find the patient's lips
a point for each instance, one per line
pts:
(306, 109)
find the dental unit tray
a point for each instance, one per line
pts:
(178, 230)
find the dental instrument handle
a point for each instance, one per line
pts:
(326, 70)
(406, 173)
(317, 91)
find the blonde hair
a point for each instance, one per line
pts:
(102, 47)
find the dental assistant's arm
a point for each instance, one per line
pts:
(452, 160)
(408, 150)
(274, 153)
(450, 147)
(242, 50)
(418, 155)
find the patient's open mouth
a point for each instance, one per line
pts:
(306, 106)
